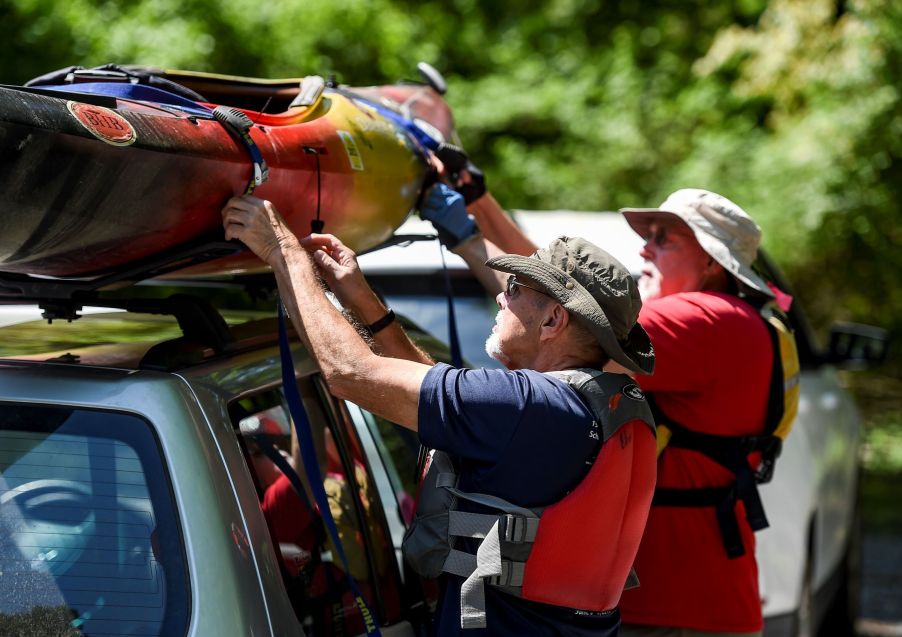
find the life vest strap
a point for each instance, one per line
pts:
(493, 502)
(474, 525)
(513, 526)
(472, 591)
(512, 529)
(725, 450)
(700, 497)
(462, 564)
(459, 563)
(509, 575)
(723, 499)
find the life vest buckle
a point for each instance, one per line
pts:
(770, 451)
(511, 575)
(517, 529)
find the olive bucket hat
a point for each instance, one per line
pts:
(593, 287)
(722, 229)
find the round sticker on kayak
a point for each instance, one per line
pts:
(633, 391)
(103, 123)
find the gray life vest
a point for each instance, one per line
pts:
(543, 554)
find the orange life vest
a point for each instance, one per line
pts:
(576, 553)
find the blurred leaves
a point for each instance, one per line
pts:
(789, 107)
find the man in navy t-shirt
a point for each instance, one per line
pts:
(521, 435)
(498, 424)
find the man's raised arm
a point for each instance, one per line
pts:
(495, 224)
(337, 264)
(388, 387)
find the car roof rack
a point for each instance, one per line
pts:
(65, 296)
(62, 298)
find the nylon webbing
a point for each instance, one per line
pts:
(269, 450)
(311, 467)
(407, 124)
(472, 591)
(453, 338)
(239, 125)
(731, 452)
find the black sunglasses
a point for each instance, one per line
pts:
(662, 236)
(513, 284)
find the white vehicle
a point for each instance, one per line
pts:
(808, 556)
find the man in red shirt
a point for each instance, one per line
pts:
(714, 364)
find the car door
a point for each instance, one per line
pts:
(316, 580)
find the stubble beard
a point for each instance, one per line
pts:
(649, 286)
(493, 344)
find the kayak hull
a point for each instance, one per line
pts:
(76, 204)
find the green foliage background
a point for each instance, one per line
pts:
(790, 107)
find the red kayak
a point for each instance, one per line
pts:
(102, 171)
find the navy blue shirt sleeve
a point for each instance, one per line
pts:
(470, 413)
(520, 434)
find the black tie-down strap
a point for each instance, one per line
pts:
(732, 453)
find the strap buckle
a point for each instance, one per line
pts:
(511, 574)
(517, 529)
(771, 448)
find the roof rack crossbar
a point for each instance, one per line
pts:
(402, 240)
(23, 287)
(197, 318)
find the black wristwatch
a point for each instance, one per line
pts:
(382, 323)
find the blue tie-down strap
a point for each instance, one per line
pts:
(457, 359)
(409, 125)
(137, 92)
(311, 466)
(239, 124)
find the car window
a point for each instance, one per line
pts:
(422, 299)
(398, 449)
(313, 573)
(375, 531)
(89, 539)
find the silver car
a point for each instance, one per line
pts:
(142, 492)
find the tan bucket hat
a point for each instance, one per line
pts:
(596, 289)
(722, 228)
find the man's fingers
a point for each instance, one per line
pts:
(317, 242)
(233, 230)
(327, 240)
(325, 262)
(244, 201)
(331, 244)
